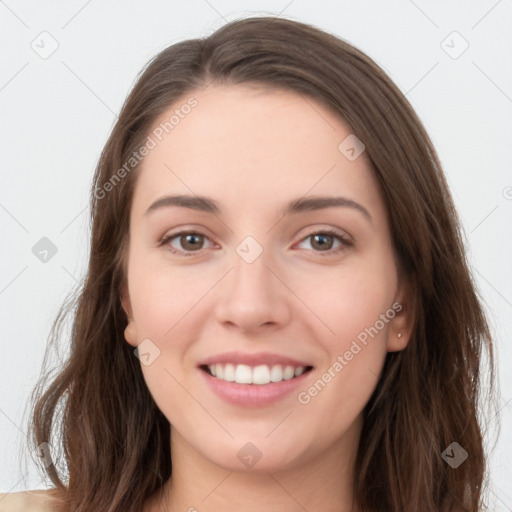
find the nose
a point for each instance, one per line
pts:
(252, 296)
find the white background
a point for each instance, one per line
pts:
(56, 114)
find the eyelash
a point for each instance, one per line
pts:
(345, 242)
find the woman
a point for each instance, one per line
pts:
(277, 304)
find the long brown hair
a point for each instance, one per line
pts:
(113, 438)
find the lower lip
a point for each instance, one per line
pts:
(253, 395)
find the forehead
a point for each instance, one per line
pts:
(248, 146)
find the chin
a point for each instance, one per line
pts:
(250, 459)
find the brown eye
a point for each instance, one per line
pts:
(185, 242)
(192, 241)
(328, 242)
(322, 241)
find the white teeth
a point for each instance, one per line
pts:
(243, 374)
(288, 373)
(229, 372)
(260, 375)
(276, 374)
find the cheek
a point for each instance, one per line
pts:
(355, 310)
(164, 297)
(169, 307)
(357, 307)
(166, 306)
(348, 303)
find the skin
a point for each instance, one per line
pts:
(253, 150)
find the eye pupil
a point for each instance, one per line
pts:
(187, 241)
(323, 244)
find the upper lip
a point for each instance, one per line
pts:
(257, 359)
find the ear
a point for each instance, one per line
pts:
(402, 324)
(130, 332)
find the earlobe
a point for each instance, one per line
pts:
(397, 342)
(130, 332)
(401, 326)
(399, 332)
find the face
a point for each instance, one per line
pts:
(297, 300)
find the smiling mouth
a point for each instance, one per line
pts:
(258, 375)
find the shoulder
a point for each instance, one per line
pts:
(29, 501)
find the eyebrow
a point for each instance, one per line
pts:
(303, 204)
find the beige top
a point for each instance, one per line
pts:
(28, 501)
